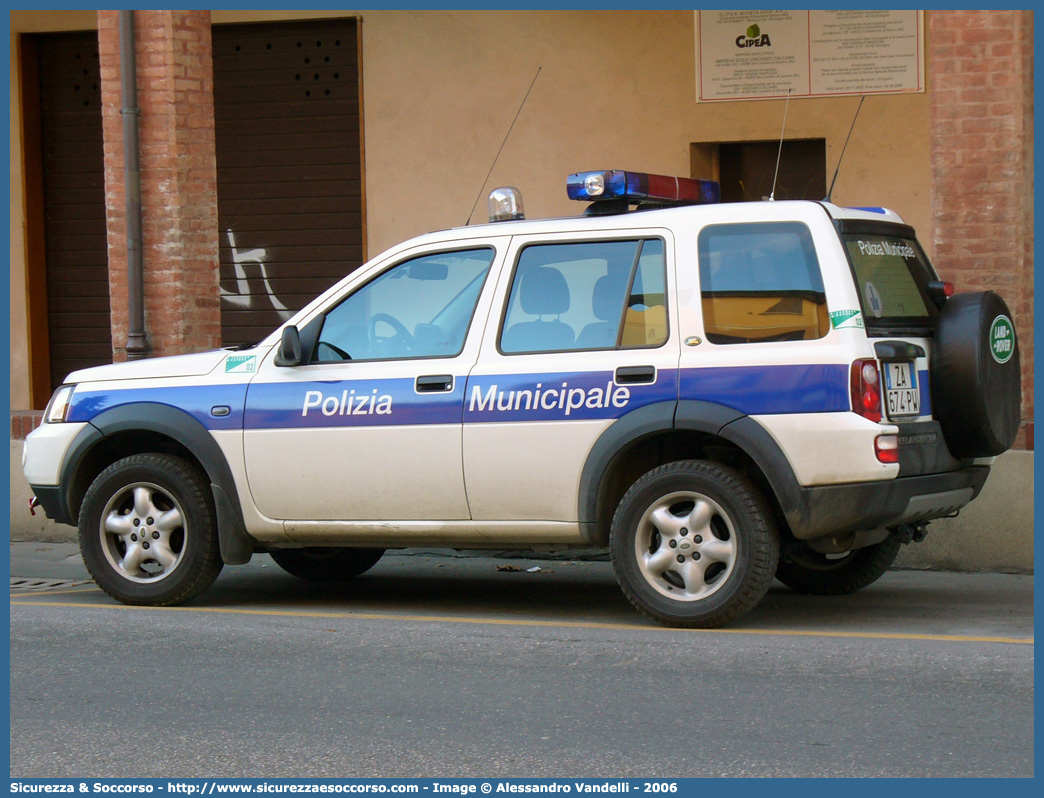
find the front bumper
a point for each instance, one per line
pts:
(863, 506)
(52, 501)
(45, 450)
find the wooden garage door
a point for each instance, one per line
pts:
(73, 203)
(286, 107)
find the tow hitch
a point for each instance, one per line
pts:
(911, 533)
(33, 504)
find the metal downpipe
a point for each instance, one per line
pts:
(137, 344)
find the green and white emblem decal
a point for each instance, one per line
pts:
(241, 364)
(846, 318)
(1002, 339)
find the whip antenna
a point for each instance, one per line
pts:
(519, 111)
(854, 118)
(772, 194)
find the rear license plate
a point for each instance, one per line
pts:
(902, 395)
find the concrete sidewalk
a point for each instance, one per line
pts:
(994, 534)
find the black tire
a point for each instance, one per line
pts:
(321, 564)
(169, 500)
(808, 571)
(716, 521)
(976, 397)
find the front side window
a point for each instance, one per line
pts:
(586, 296)
(421, 307)
(761, 282)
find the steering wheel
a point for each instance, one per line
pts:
(401, 337)
(341, 354)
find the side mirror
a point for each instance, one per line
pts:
(289, 353)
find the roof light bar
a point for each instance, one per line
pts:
(641, 188)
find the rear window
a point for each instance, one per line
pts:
(892, 274)
(761, 283)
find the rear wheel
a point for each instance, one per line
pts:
(808, 571)
(693, 544)
(322, 564)
(148, 532)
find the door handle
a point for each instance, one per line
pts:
(635, 375)
(438, 383)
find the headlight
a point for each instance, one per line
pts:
(59, 405)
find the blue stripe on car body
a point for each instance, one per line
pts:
(196, 400)
(503, 398)
(576, 396)
(771, 390)
(350, 403)
(926, 392)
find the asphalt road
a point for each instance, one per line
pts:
(439, 666)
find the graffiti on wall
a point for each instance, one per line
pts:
(250, 264)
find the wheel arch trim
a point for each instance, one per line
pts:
(725, 422)
(620, 435)
(187, 431)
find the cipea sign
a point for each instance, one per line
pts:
(765, 54)
(753, 38)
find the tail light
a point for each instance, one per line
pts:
(939, 291)
(886, 447)
(866, 389)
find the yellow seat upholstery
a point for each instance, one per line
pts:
(645, 327)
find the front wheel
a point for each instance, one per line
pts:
(148, 532)
(808, 571)
(693, 544)
(323, 564)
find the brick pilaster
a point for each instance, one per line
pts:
(981, 83)
(178, 177)
(23, 422)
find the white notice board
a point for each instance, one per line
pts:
(758, 55)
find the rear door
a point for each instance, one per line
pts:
(580, 335)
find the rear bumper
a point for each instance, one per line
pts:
(863, 506)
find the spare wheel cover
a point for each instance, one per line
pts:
(976, 378)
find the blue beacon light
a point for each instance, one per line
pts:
(639, 187)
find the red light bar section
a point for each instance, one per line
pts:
(665, 188)
(671, 189)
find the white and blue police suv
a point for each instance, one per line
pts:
(719, 393)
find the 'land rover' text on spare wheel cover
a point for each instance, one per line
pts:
(976, 377)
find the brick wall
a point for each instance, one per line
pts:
(23, 422)
(981, 82)
(178, 180)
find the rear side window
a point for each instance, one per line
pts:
(761, 282)
(586, 296)
(892, 274)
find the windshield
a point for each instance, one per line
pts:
(892, 274)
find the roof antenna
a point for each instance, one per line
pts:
(537, 75)
(854, 118)
(772, 195)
